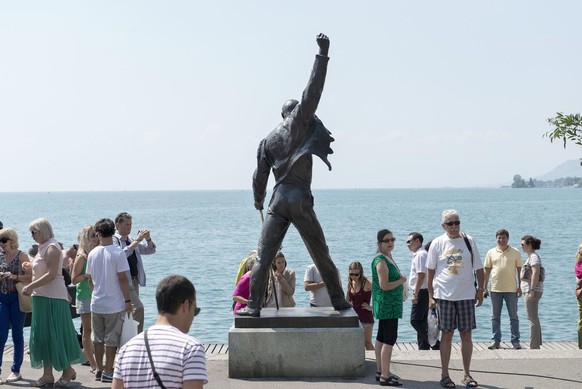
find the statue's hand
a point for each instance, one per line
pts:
(323, 43)
(258, 206)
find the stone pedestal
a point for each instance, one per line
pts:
(297, 342)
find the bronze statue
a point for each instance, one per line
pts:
(288, 152)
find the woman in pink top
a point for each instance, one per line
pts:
(53, 340)
(241, 293)
(578, 271)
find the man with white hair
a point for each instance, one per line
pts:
(452, 263)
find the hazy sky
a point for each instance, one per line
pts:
(162, 95)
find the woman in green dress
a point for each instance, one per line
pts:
(387, 299)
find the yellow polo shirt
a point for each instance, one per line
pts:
(504, 268)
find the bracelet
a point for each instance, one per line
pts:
(127, 301)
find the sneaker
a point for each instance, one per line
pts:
(13, 377)
(517, 346)
(107, 377)
(98, 375)
(494, 346)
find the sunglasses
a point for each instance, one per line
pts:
(354, 274)
(92, 235)
(4, 240)
(32, 233)
(197, 311)
(455, 223)
(389, 240)
(409, 241)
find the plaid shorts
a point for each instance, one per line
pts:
(456, 314)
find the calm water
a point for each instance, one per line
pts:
(204, 235)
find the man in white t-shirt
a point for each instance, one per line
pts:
(417, 282)
(106, 267)
(313, 283)
(178, 359)
(452, 261)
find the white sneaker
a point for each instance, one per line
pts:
(13, 377)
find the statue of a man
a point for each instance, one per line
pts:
(288, 152)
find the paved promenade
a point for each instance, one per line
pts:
(558, 365)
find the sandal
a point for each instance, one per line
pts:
(378, 375)
(469, 382)
(43, 383)
(390, 381)
(446, 382)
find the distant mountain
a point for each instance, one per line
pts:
(569, 168)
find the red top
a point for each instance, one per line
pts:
(357, 299)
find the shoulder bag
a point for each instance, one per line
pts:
(156, 375)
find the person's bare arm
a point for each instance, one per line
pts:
(192, 384)
(118, 384)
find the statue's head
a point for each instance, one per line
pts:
(288, 107)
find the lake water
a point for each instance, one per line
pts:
(204, 235)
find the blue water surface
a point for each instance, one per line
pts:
(204, 235)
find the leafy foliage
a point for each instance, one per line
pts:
(566, 128)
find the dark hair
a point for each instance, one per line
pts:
(279, 255)
(502, 231)
(383, 233)
(121, 216)
(105, 228)
(417, 235)
(427, 246)
(533, 241)
(172, 291)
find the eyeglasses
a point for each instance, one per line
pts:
(354, 274)
(454, 223)
(4, 240)
(197, 311)
(389, 240)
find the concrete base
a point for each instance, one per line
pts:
(296, 352)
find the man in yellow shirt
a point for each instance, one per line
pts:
(503, 264)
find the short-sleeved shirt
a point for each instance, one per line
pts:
(454, 278)
(533, 260)
(103, 265)
(504, 266)
(318, 297)
(418, 266)
(386, 304)
(177, 357)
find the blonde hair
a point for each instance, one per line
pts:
(43, 228)
(579, 254)
(84, 239)
(9, 233)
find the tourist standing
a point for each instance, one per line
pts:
(10, 315)
(532, 286)
(360, 296)
(177, 357)
(53, 339)
(88, 240)
(578, 272)
(281, 284)
(134, 249)
(503, 264)
(453, 260)
(106, 268)
(387, 297)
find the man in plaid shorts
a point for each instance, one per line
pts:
(452, 261)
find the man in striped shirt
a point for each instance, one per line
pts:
(177, 358)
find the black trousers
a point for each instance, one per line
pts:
(418, 319)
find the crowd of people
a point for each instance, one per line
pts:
(106, 268)
(448, 275)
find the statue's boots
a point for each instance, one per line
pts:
(341, 305)
(249, 312)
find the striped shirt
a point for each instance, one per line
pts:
(177, 357)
